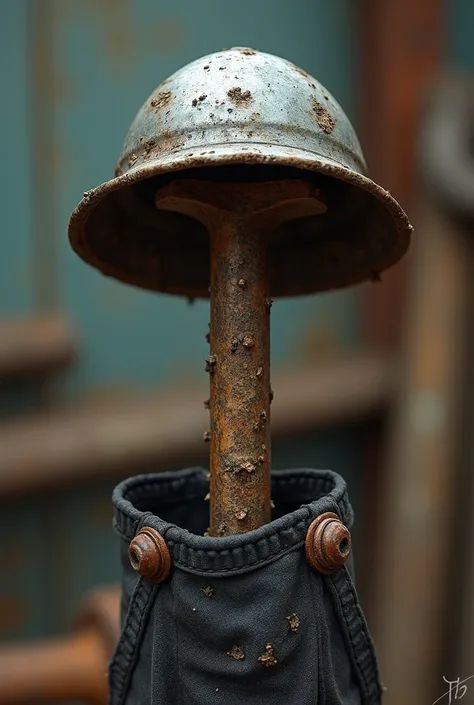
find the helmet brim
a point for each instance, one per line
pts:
(380, 236)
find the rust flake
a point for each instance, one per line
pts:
(246, 466)
(248, 341)
(241, 515)
(268, 657)
(262, 420)
(237, 653)
(293, 622)
(207, 591)
(211, 362)
(248, 52)
(323, 117)
(240, 98)
(222, 530)
(161, 99)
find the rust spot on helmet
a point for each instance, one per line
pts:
(240, 98)
(148, 145)
(161, 99)
(248, 52)
(324, 119)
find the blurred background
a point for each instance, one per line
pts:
(99, 381)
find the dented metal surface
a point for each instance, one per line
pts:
(240, 108)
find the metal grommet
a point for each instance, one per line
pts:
(328, 543)
(149, 555)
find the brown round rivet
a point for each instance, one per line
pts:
(328, 543)
(149, 555)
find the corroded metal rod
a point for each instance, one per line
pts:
(239, 366)
(239, 218)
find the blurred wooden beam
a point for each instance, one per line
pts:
(159, 430)
(35, 346)
(418, 558)
(400, 48)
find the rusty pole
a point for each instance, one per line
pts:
(239, 217)
(239, 366)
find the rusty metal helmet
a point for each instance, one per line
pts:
(240, 114)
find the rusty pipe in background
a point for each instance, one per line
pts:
(35, 346)
(65, 668)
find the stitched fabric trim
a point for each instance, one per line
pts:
(230, 554)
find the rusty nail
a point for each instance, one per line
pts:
(207, 497)
(234, 345)
(248, 466)
(259, 372)
(206, 436)
(240, 516)
(242, 283)
(247, 341)
(261, 459)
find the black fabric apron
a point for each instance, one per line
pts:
(241, 619)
